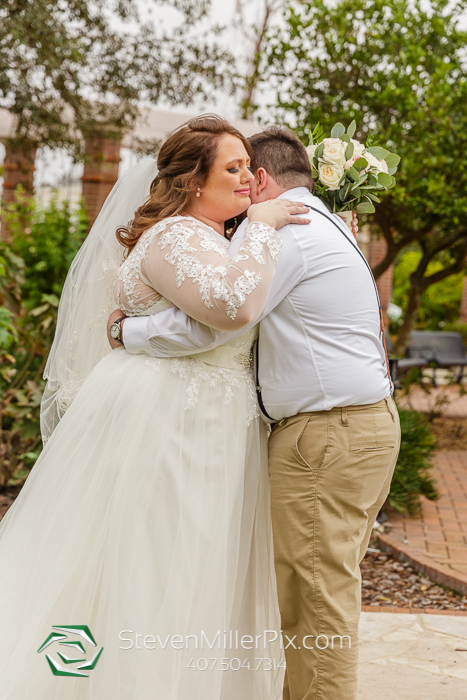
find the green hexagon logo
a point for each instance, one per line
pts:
(71, 645)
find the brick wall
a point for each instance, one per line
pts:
(18, 169)
(376, 250)
(100, 172)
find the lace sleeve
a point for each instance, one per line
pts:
(189, 264)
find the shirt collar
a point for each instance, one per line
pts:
(295, 192)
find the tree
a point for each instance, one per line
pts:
(440, 302)
(67, 66)
(256, 35)
(398, 68)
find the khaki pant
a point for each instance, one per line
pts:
(330, 474)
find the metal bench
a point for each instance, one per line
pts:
(400, 365)
(445, 349)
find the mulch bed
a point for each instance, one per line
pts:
(387, 582)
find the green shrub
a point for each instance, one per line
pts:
(33, 267)
(440, 303)
(47, 247)
(411, 476)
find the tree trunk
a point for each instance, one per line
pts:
(419, 283)
(252, 80)
(410, 318)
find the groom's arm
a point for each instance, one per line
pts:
(172, 333)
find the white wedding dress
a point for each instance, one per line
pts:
(147, 513)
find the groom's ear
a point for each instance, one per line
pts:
(261, 180)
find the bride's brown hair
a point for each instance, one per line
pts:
(184, 162)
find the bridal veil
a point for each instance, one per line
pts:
(87, 299)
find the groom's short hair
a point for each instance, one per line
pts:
(281, 153)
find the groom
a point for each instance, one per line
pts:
(324, 385)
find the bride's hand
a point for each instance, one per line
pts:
(278, 212)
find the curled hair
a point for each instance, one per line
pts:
(184, 162)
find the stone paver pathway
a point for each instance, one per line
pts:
(412, 657)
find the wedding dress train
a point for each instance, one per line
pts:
(145, 520)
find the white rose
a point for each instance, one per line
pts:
(358, 147)
(330, 174)
(384, 166)
(334, 151)
(374, 164)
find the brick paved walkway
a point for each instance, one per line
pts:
(437, 541)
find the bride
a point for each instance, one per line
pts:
(136, 563)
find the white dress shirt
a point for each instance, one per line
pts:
(320, 337)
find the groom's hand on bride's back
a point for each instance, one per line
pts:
(278, 212)
(114, 316)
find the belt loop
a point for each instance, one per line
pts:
(345, 418)
(390, 409)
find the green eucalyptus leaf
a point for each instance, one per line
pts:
(354, 174)
(319, 151)
(373, 197)
(356, 191)
(391, 171)
(349, 151)
(351, 128)
(392, 160)
(378, 152)
(385, 179)
(365, 208)
(337, 130)
(345, 138)
(360, 164)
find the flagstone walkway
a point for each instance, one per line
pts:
(412, 657)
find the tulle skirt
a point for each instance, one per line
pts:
(144, 529)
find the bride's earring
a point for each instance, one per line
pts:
(198, 194)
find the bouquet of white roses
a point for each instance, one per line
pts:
(349, 175)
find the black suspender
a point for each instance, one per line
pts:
(258, 387)
(381, 320)
(356, 248)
